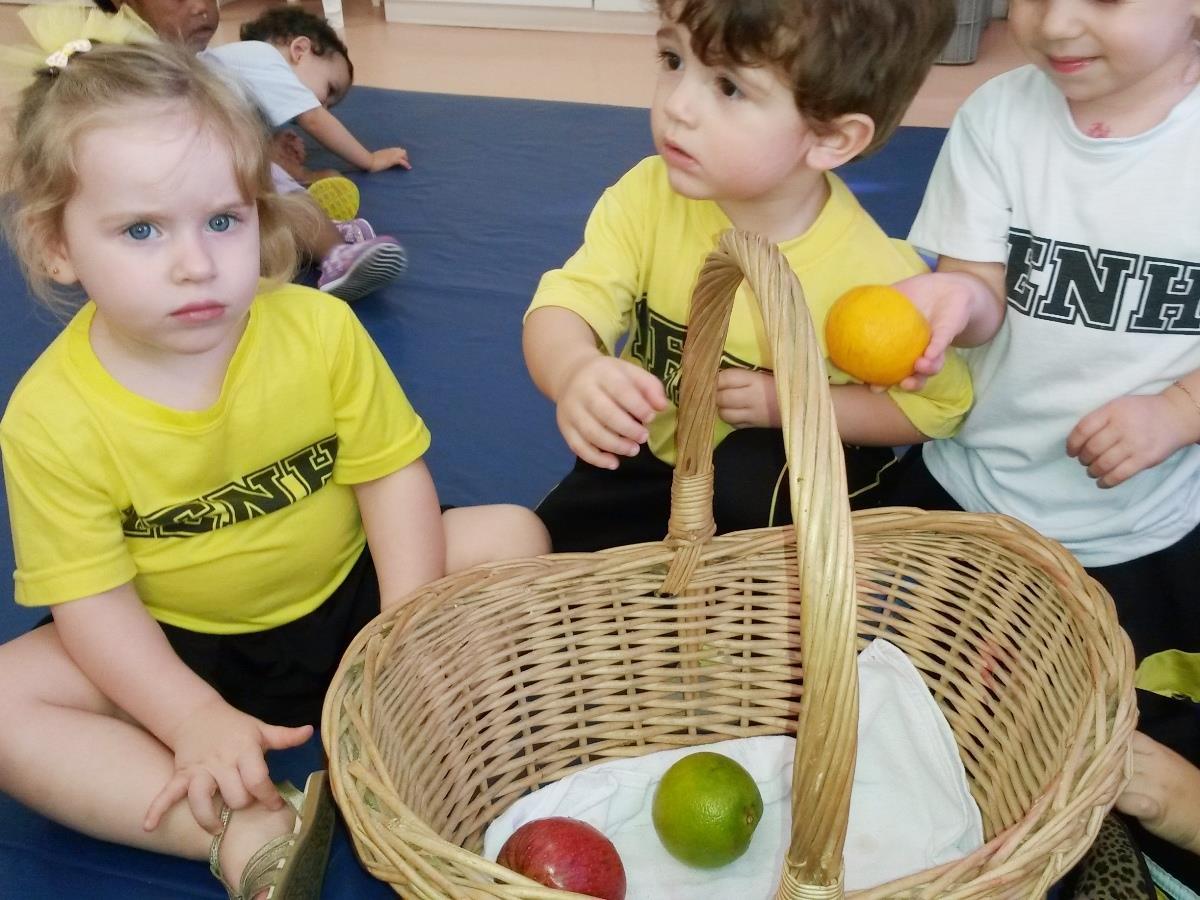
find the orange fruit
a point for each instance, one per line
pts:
(874, 333)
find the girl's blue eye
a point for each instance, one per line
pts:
(221, 222)
(140, 231)
(670, 59)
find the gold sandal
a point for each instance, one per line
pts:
(291, 866)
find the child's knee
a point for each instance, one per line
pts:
(533, 531)
(483, 534)
(19, 673)
(35, 670)
(520, 532)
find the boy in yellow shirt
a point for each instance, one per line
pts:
(754, 108)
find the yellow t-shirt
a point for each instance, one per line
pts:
(232, 519)
(642, 251)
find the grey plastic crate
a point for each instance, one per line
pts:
(963, 47)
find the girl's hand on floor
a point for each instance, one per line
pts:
(1125, 436)
(388, 158)
(220, 749)
(604, 409)
(747, 399)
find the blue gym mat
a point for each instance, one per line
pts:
(499, 192)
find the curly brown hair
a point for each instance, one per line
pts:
(839, 56)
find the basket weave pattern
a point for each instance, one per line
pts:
(502, 679)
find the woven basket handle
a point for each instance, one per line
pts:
(828, 717)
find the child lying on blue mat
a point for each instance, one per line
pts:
(296, 68)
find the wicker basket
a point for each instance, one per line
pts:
(498, 680)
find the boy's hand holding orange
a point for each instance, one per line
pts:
(876, 334)
(604, 409)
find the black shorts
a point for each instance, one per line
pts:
(281, 675)
(594, 508)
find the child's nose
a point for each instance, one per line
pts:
(193, 260)
(681, 101)
(1059, 19)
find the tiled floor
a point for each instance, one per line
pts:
(597, 68)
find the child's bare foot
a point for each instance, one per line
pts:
(1164, 793)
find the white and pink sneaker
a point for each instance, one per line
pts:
(353, 270)
(354, 231)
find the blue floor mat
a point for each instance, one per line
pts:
(498, 193)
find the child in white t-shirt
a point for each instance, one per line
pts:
(1063, 212)
(295, 67)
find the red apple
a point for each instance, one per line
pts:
(566, 854)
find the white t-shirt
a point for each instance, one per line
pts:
(265, 74)
(1101, 238)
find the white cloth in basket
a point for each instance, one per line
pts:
(910, 808)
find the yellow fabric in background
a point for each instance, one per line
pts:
(1172, 673)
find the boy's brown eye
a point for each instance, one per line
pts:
(669, 59)
(727, 87)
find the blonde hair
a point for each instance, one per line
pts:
(97, 88)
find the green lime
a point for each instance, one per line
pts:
(706, 809)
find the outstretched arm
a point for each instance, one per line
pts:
(124, 652)
(336, 138)
(964, 303)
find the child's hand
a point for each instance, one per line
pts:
(946, 305)
(604, 409)
(1127, 435)
(747, 399)
(218, 748)
(387, 158)
(1164, 793)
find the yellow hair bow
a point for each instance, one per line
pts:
(61, 31)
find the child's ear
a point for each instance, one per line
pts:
(299, 48)
(840, 141)
(58, 264)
